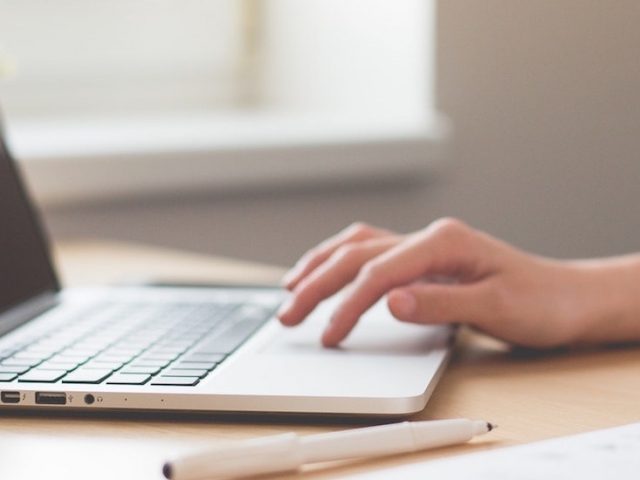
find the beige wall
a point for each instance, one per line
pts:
(545, 99)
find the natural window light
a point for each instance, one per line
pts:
(133, 96)
(86, 57)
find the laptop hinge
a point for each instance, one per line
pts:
(16, 316)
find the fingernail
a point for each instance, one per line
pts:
(328, 331)
(403, 303)
(326, 336)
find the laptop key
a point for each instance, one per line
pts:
(171, 348)
(198, 366)
(253, 313)
(35, 356)
(18, 369)
(42, 376)
(69, 359)
(113, 358)
(98, 365)
(118, 349)
(138, 369)
(80, 352)
(20, 362)
(7, 377)
(230, 339)
(128, 379)
(175, 381)
(152, 363)
(84, 375)
(58, 366)
(203, 358)
(165, 345)
(185, 373)
(76, 355)
(165, 357)
(5, 353)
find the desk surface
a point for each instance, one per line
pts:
(530, 396)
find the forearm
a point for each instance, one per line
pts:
(612, 297)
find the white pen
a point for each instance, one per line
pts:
(288, 452)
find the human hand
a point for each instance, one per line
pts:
(448, 273)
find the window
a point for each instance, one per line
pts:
(155, 95)
(88, 57)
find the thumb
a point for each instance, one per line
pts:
(433, 303)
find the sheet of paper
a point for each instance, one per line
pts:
(613, 453)
(30, 457)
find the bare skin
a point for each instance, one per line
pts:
(452, 273)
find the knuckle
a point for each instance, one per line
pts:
(368, 271)
(372, 273)
(360, 228)
(310, 254)
(347, 253)
(448, 224)
(449, 228)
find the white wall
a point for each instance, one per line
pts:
(546, 101)
(545, 97)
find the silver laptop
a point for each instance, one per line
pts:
(188, 349)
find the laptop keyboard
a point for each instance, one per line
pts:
(176, 344)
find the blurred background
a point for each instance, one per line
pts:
(255, 128)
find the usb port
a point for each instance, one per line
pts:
(10, 397)
(51, 398)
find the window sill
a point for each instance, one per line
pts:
(70, 161)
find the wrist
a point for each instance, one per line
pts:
(611, 295)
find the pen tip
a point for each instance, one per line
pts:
(490, 426)
(167, 471)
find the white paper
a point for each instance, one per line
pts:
(36, 457)
(612, 454)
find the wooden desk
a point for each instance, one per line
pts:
(530, 396)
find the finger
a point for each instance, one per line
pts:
(330, 277)
(446, 247)
(431, 303)
(319, 254)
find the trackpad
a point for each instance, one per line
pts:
(377, 333)
(381, 359)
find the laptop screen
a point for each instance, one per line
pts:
(25, 266)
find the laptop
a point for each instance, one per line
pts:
(189, 349)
